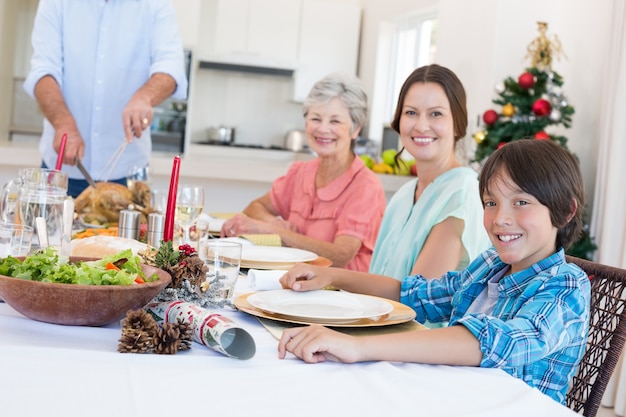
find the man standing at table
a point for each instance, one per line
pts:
(98, 68)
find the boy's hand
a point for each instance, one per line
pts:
(316, 343)
(305, 277)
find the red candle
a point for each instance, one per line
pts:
(61, 152)
(168, 231)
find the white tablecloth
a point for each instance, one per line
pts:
(52, 370)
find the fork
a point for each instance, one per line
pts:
(113, 161)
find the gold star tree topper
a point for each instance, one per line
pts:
(541, 50)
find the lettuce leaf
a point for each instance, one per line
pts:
(46, 266)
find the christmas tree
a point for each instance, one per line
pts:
(527, 106)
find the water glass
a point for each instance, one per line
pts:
(159, 200)
(222, 259)
(37, 192)
(15, 239)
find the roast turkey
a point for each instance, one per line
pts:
(103, 204)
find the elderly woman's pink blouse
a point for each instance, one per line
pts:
(351, 205)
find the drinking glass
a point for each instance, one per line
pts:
(15, 239)
(223, 260)
(136, 174)
(189, 205)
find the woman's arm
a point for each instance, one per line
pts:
(262, 217)
(442, 251)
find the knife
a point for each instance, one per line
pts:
(68, 222)
(82, 169)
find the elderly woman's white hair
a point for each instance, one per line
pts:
(348, 90)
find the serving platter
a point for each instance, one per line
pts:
(399, 313)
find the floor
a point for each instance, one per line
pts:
(605, 412)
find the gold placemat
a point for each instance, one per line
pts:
(269, 239)
(399, 315)
(276, 328)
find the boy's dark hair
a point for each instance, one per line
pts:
(548, 172)
(451, 85)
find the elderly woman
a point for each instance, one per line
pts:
(331, 205)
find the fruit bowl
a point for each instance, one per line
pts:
(79, 305)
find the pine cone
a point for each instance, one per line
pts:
(196, 270)
(178, 273)
(140, 320)
(138, 330)
(167, 341)
(135, 341)
(186, 335)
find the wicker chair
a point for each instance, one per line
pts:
(607, 335)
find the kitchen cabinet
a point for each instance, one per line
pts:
(255, 32)
(329, 42)
(188, 19)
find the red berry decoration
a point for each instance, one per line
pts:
(186, 249)
(542, 107)
(542, 136)
(490, 117)
(526, 80)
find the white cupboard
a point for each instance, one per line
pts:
(252, 32)
(306, 38)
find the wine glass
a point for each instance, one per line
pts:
(189, 205)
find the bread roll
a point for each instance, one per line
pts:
(100, 246)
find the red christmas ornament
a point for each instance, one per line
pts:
(501, 144)
(542, 136)
(490, 117)
(542, 107)
(526, 80)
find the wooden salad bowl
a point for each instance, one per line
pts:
(79, 305)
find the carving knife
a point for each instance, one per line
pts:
(82, 169)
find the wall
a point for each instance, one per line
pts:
(485, 41)
(8, 12)
(258, 106)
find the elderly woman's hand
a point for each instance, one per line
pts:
(241, 224)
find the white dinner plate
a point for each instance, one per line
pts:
(275, 254)
(321, 306)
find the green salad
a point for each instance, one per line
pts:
(122, 268)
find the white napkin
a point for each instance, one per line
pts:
(263, 280)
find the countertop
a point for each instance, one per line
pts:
(199, 162)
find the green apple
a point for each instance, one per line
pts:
(404, 167)
(369, 162)
(389, 156)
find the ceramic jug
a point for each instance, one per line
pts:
(36, 192)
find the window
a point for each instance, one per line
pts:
(404, 43)
(413, 45)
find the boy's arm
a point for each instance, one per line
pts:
(447, 346)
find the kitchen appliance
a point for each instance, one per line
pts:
(295, 140)
(221, 134)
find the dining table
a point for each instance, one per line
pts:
(70, 371)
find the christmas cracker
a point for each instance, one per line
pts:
(209, 329)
